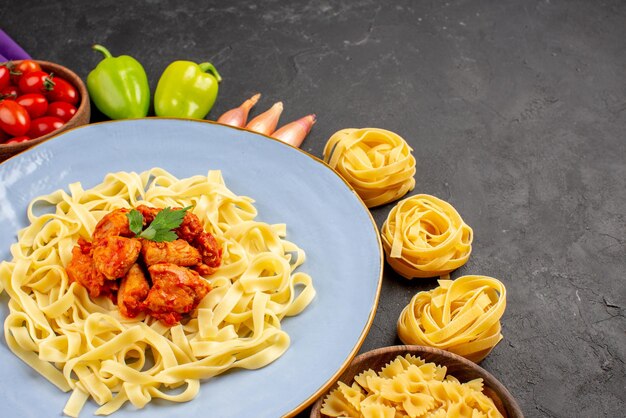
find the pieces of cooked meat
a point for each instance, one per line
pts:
(192, 231)
(170, 288)
(178, 252)
(113, 224)
(209, 249)
(189, 228)
(204, 270)
(81, 269)
(175, 291)
(134, 288)
(113, 256)
(148, 213)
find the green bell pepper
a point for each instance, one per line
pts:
(119, 86)
(186, 90)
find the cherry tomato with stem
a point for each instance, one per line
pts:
(62, 91)
(14, 119)
(35, 104)
(9, 93)
(27, 66)
(62, 110)
(44, 125)
(18, 139)
(21, 68)
(36, 82)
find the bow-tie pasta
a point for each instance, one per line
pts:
(424, 236)
(460, 316)
(409, 387)
(377, 163)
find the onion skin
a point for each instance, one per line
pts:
(239, 116)
(266, 122)
(294, 133)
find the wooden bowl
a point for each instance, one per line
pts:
(457, 366)
(83, 112)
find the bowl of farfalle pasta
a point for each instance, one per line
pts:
(415, 381)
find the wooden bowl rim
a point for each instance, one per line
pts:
(512, 408)
(84, 106)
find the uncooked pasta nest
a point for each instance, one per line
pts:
(377, 163)
(424, 236)
(409, 387)
(460, 316)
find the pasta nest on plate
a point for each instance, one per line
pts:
(377, 163)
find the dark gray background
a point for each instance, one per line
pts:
(516, 111)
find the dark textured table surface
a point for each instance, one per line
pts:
(516, 112)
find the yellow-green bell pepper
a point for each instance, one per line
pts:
(186, 90)
(119, 86)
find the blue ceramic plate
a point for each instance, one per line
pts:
(323, 216)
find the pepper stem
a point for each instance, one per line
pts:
(207, 66)
(102, 49)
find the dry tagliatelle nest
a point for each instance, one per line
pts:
(461, 316)
(377, 163)
(424, 236)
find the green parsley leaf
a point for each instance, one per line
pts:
(162, 235)
(161, 228)
(135, 220)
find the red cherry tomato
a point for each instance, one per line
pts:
(9, 93)
(36, 82)
(18, 139)
(62, 91)
(44, 125)
(35, 104)
(62, 110)
(14, 119)
(5, 76)
(23, 67)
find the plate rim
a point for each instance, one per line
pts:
(365, 331)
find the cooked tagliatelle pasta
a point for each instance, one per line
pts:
(376, 162)
(424, 236)
(409, 387)
(461, 316)
(87, 347)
